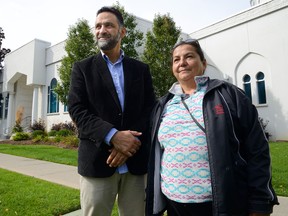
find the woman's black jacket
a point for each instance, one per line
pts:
(238, 152)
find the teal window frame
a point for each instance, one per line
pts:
(53, 101)
(247, 86)
(261, 89)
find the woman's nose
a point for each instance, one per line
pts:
(182, 62)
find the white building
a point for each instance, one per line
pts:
(249, 49)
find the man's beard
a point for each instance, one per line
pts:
(110, 43)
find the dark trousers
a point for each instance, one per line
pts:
(189, 209)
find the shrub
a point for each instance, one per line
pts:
(17, 128)
(52, 133)
(264, 126)
(38, 125)
(56, 127)
(66, 125)
(38, 133)
(56, 139)
(45, 139)
(21, 136)
(69, 126)
(40, 138)
(37, 138)
(64, 133)
(19, 114)
(70, 141)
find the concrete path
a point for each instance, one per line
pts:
(68, 176)
(53, 172)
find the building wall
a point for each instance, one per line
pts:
(55, 53)
(53, 61)
(24, 71)
(255, 40)
(28, 60)
(23, 98)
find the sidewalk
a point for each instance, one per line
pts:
(68, 176)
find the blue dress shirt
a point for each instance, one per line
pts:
(116, 71)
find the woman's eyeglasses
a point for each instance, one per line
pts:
(190, 41)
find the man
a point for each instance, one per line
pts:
(110, 99)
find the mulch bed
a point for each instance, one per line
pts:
(30, 142)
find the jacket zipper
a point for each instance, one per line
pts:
(234, 134)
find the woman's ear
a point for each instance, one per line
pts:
(204, 62)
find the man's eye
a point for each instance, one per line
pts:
(109, 25)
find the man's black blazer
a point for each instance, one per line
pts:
(94, 106)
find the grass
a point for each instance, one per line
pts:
(23, 195)
(42, 152)
(38, 197)
(279, 156)
(41, 198)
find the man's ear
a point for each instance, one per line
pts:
(123, 32)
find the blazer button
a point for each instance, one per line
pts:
(120, 114)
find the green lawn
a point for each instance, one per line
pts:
(279, 156)
(42, 152)
(37, 197)
(23, 195)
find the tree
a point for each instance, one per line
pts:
(133, 38)
(157, 52)
(3, 51)
(79, 45)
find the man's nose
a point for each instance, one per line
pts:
(102, 29)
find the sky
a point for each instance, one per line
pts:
(24, 21)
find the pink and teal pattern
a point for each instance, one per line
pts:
(185, 172)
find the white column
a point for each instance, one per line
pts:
(11, 112)
(35, 104)
(43, 92)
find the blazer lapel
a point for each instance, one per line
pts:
(128, 73)
(102, 69)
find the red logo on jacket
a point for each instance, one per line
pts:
(219, 110)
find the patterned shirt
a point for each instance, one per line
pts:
(185, 171)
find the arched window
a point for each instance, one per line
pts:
(53, 103)
(247, 85)
(261, 87)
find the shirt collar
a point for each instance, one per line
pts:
(201, 81)
(105, 57)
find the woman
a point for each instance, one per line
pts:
(209, 155)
